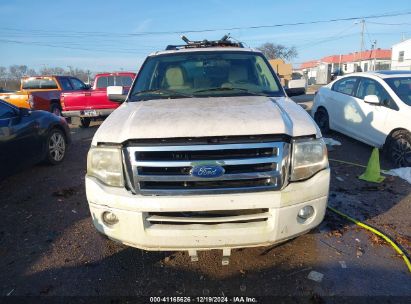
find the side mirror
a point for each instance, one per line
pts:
(294, 92)
(117, 97)
(372, 99)
(115, 90)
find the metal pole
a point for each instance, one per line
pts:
(362, 41)
(375, 54)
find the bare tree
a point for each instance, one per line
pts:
(52, 71)
(10, 77)
(17, 71)
(274, 51)
(76, 72)
(31, 72)
(3, 72)
(3, 76)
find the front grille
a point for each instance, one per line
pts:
(166, 169)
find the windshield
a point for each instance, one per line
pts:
(402, 87)
(205, 74)
(39, 83)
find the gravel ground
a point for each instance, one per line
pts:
(48, 245)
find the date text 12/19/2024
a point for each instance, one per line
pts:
(203, 299)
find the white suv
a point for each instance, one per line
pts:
(373, 107)
(206, 152)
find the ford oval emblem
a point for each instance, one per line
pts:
(207, 171)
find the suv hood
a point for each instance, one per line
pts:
(203, 117)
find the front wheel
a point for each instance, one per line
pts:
(400, 148)
(56, 147)
(322, 119)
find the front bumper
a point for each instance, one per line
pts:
(81, 113)
(282, 223)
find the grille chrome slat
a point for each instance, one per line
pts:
(225, 162)
(166, 178)
(252, 167)
(203, 147)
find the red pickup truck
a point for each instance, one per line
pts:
(93, 103)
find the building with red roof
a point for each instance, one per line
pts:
(369, 60)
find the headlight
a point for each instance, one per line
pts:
(105, 164)
(308, 157)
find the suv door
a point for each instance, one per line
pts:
(340, 100)
(371, 117)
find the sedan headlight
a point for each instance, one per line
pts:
(105, 164)
(308, 157)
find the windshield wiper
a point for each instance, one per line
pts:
(231, 89)
(162, 91)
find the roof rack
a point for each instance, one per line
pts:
(223, 42)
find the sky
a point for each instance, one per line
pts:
(117, 35)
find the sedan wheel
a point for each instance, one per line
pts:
(56, 147)
(401, 151)
(322, 120)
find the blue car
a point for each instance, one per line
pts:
(29, 137)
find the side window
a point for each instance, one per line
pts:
(371, 87)
(101, 83)
(110, 81)
(105, 81)
(401, 56)
(65, 84)
(345, 86)
(124, 81)
(77, 84)
(6, 111)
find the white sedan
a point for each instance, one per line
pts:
(372, 107)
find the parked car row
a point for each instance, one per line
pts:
(42, 92)
(32, 126)
(68, 96)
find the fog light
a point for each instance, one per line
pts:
(306, 212)
(109, 218)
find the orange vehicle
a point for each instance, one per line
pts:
(43, 92)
